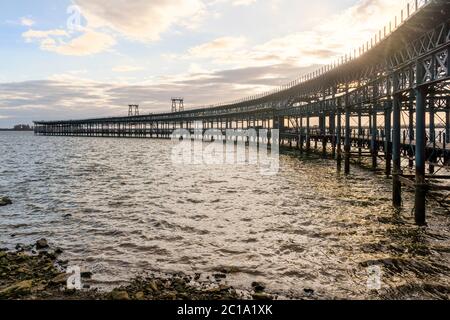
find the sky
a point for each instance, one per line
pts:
(72, 59)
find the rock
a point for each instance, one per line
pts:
(152, 286)
(183, 296)
(119, 295)
(63, 263)
(21, 247)
(170, 296)
(86, 274)
(4, 201)
(220, 276)
(70, 292)
(23, 270)
(139, 296)
(67, 215)
(258, 287)
(308, 291)
(58, 251)
(41, 244)
(3, 254)
(261, 296)
(41, 286)
(19, 288)
(51, 255)
(60, 279)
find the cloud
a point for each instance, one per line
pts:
(88, 43)
(242, 2)
(339, 34)
(27, 22)
(217, 47)
(141, 20)
(240, 67)
(235, 3)
(67, 96)
(126, 68)
(31, 34)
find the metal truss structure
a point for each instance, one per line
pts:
(390, 100)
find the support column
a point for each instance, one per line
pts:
(396, 184)
(374, 141)
(339, 140)
(347, 147)
(278, 123)
(388, 139)
(324, 137)
(360, 133)
(433, 157)
(308, 134)
(333, 135)
(420, 195)
(301, 135)
(411, 131)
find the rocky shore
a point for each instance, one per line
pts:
(34, 272)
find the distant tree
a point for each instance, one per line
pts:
(22, 127)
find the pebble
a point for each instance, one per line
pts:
(258, 287)
(120, 295)
(41, 244)
(139, 296)
(152, 286)
(308, 291)
(261, 296)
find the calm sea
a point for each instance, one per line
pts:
(121, 208)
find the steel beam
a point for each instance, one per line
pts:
(374, 142)
(421, 188)
(339, 140)
(396, 184)
(388, 139)
(347, 146)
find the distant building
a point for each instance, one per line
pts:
(22, 127)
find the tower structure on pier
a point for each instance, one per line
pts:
(177, 104)
(133, 110)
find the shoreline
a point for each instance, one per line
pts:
(34, 272)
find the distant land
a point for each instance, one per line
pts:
(19, 127)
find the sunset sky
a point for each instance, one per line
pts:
(146, 51)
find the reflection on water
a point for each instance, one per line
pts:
(120, 205)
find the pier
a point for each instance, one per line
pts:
(387, 102)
